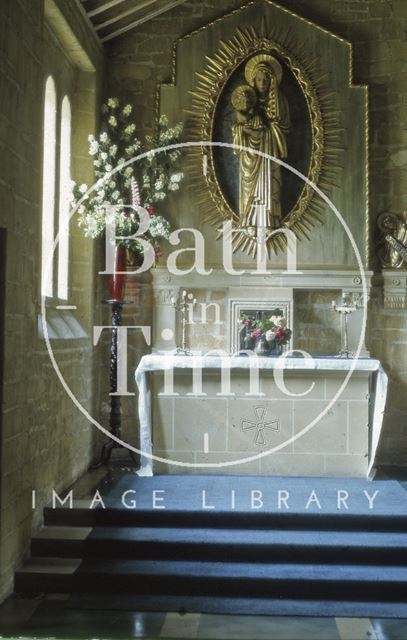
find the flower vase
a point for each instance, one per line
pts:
(117, 280)
(276, 350)
(271, 342)
(261, 348)
(248, 343)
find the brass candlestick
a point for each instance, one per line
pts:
(185, 304)
(347, 307)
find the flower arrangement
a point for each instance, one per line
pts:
(146, 182)
(272, 329)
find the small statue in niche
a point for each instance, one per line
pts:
(262, 124)
(392, 250)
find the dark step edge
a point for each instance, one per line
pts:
(144, 584)
(119, 548)
(191, 520)
(247, 606)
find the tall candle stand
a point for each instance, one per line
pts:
(347, 307)
(115, 422)
(185, 304)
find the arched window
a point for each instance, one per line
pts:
(64, 190)
(48, 187)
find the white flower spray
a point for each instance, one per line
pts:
(145, 183)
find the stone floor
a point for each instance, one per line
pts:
(48, 618)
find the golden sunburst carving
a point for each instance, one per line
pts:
(326, 134)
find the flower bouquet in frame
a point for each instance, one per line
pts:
(266, 336)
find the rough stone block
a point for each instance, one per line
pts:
(330, 432)
(193, 418)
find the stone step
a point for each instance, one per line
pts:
(43, 574)
(232, 579)
(222, 544)
(240, 606)
(205, 502)
(64, 542)
(83, 516)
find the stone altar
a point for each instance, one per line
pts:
(253, 415)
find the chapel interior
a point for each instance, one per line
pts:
(203, 326)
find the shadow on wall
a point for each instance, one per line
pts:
(2, 314)
(317, 329)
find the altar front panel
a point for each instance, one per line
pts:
(212, 429)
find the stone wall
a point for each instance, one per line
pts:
(377, 30)
(317, 328)
(45, 441)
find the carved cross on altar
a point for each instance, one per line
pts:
(260, 425)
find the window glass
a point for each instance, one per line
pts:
(48, 187)
(64, 189)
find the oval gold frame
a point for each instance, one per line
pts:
(210, 84)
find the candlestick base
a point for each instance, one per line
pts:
(344, 353)
(183, 352)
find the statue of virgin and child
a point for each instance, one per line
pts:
(262, 124)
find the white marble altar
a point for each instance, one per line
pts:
(199, 425)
